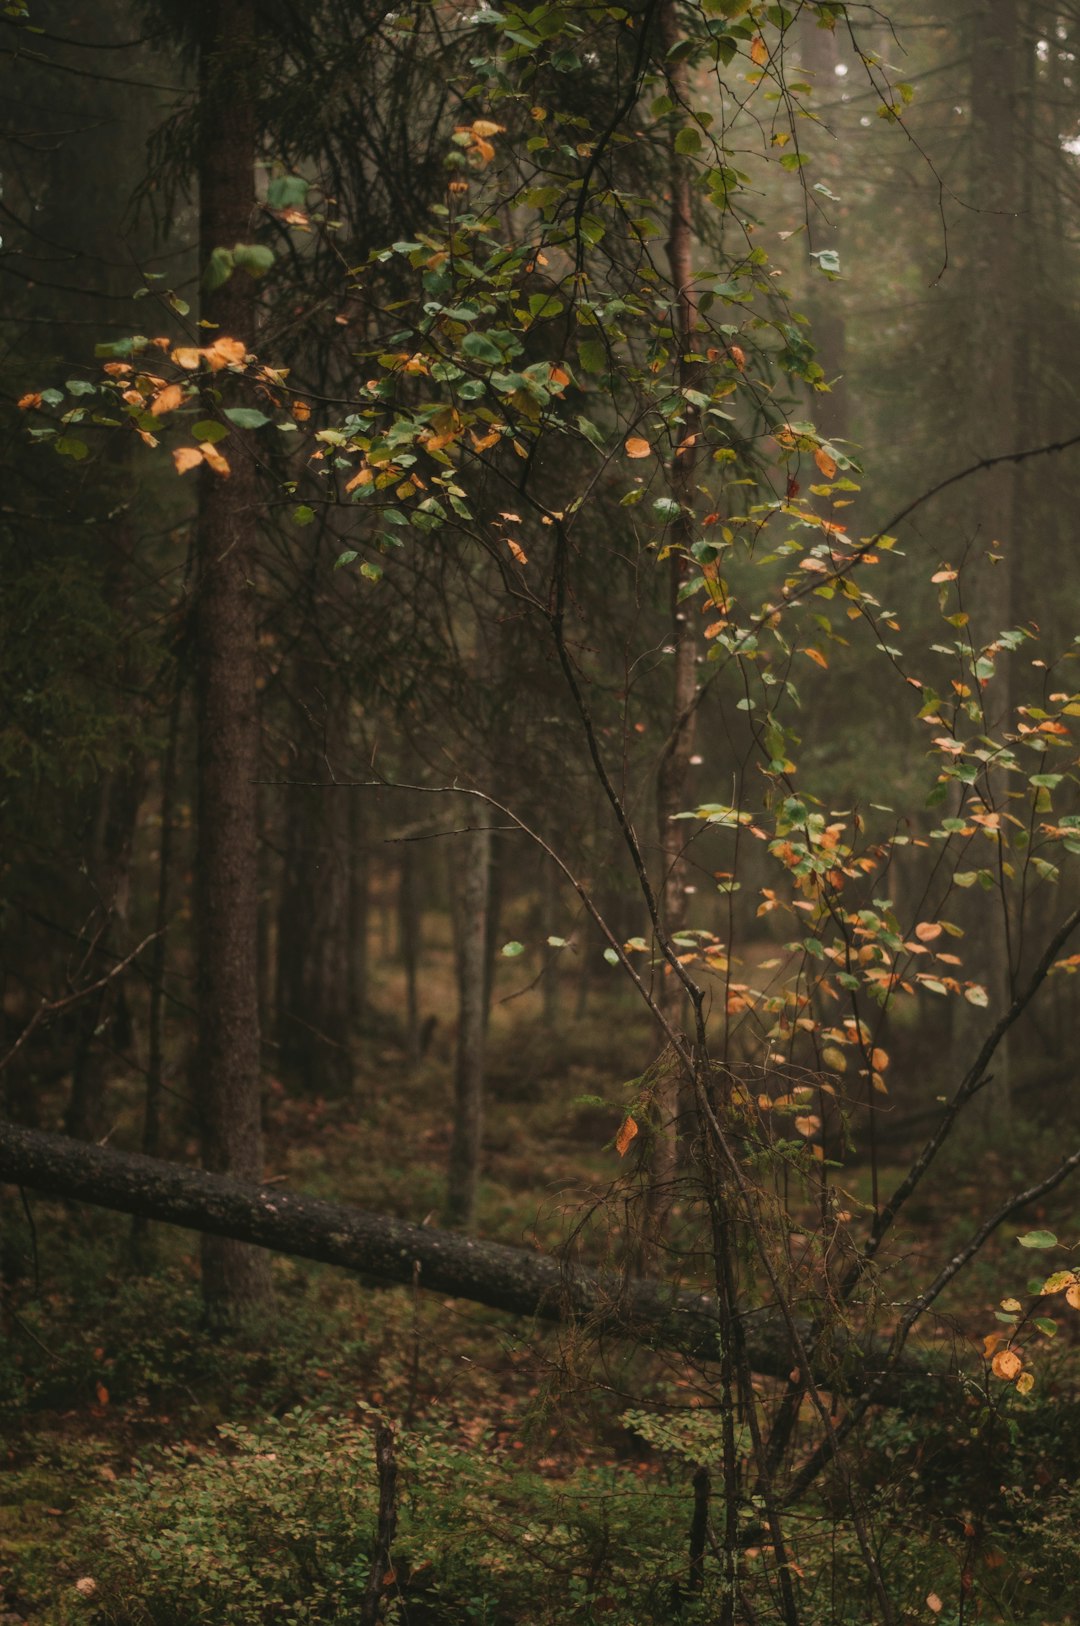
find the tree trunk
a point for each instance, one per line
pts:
(236, 1278)
(471, 930)
(675, 761)
(314, 1005)
(991, 282)
(409, 917)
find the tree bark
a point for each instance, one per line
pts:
(490, 1273)
(471, 929)
(675, 761)
(236, 1279)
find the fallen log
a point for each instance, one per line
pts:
(392, 1250)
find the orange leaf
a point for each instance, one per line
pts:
(990, 1343)
(231, 351)
(625, 1136)
(301, 411)
(636, 447)
(185, 357)
(825, 463)
(559, 378)
(817, 657)
(102, 1395)
(1006, 1364)
(927, 930)
(518, 551)
(1072, 1297)
(759, 51)
(879, 1060)
(186, 457)
(214, 459)
(28, 401)
(738, 356)
(934, 1602)
(167, 400)
(364, 478)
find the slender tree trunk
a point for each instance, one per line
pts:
(821, 51)
(236, 1278)
(409, 945)
(992, 280)
(359, 901)
(314, 1004)
(675, 761)
(471, 924)
(110, 872)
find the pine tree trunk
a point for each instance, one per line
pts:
(471, 930)
(236, 1278)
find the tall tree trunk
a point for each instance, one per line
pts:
(821, 52)
(236, 1278)
(314, 1004)
(409, 944)
(675, 761)
(359, 901)
(992, 275)
(109, 868)
(471, 931)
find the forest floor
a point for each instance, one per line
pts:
(154, 1474)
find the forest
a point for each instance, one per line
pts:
(539, 909)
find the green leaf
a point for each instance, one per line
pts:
(219, 268)
(667, 508)
(246, 417)
(79, 386)
(611, 957)
(1038, 1239)
(303, 515)
(290, 192)
(557, 942)
(254, 258)
(209, 429)
(68, 446)
(372, 571)
(345, 558)
(510, 951)
(1047, 1327)
(688, 141)
(593, 355)
(480, 348)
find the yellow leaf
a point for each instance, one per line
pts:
(213, 458)
(186, 457)
(636, 447)
(625, 1136)
(1006, 1364)
(1025, 1383)
(1012, 1305)
(484, 128)
(187, 357)
(991, 1342)
(825, 463)
(759, 51)
(167, 400)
